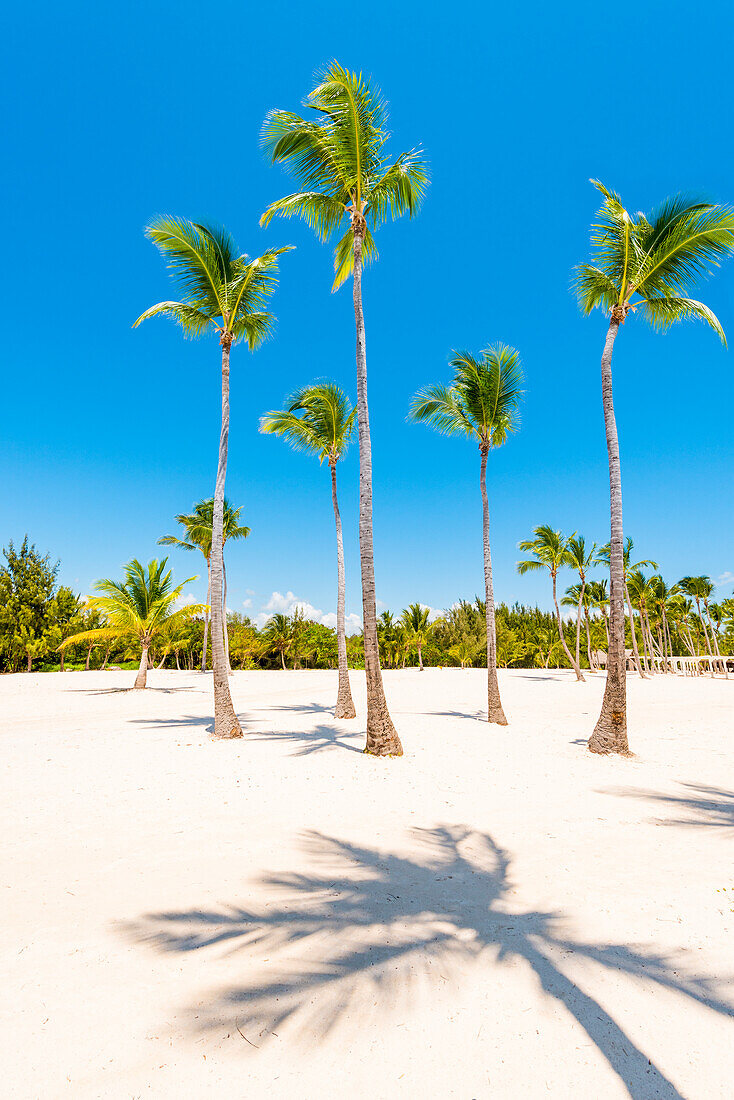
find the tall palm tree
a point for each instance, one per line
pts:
(550, 551)
(581, 560)
(138, 608)
(415, 623)
(645, 265)
(198, 526)
(482, 403)
(628, 566)
(339, 158)
(319, 419)
(225, 292)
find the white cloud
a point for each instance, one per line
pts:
(247, 602)
(725, 578)
(287, 604)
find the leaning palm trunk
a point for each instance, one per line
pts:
(344, 703)
(495, 713)
(574, 665)
(225, 720)
(715, 640)
(592, 663)
(142, 675)
(206, 613)
(578, 623)
(610, 732)
(382, 737)
(633, 632)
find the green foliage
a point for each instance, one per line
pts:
(33, 613)
(318, 419)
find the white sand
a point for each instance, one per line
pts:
(497, 914)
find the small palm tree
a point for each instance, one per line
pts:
(198, 526)
(581, 560)
(482, 403)
(647, 265)
(224, 292)
(415, 623)
(138, 608)
(339, 158)
(278, 633)
(550, 551)
(320, 420)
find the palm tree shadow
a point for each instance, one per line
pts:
(311, 740)
(185, 722)
(706, 806)
(371, 927)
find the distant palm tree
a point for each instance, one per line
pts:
(279, 633)
(647, 265)
(482, 403)
(581, 560)
(319, 419)
(550, 551)
(701, 588)
(415, 624)
(225, 292)
(628, 566)
(198, 526)
(338, 156)
(139, 608)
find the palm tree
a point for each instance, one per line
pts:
(339, 158)
(550, 551)
(226, 292)
(482, 403)
(701, 588)
(647, 265)
(198, 526)
(279, 633)
(415, 623)
(138, 608)
(580, 560)
(628, 567)
(319, 419)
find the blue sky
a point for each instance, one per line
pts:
(116, 112)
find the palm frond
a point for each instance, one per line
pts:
(192, 320)
(400, 189)
(344, 256)
(193, 256)
(321, 212)
(667, 311)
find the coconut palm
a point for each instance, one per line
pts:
(550, 551)
(278, 633)
(415, 623)
(339, 158)
(319, 419)
(628, 566)
(701, 589)
(581, 560)
(139, 608)
(482, 403)
(198, 526)
(645, 265)
(224, 292)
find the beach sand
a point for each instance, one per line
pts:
(497, 914)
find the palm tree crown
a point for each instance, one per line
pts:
(318, 419)
(340, 161)
(651, 264)
(481, 402)
(198, 527)
(550, 550)
(221, 289)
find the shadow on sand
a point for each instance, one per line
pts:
(711, 807)
(369, 930)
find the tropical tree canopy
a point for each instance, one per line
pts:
(198, 527)
(220, 289)
(318, 419)
(339, 157)
(482, 401)
(651, 264)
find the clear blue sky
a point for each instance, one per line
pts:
(116, 112)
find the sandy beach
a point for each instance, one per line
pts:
(497, 914)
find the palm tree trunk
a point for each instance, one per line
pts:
(224, 616)
(566, 650)
(226, 724)
(106, 658)
(715, 640)
(206, 613)
(61, 666)
(142, 675)
(635, 651)
(282, 659)
(495, 713)
(382, 737)
(420, 658)
(610, 732)
(344, 703)
(89, 656)
(588, 640)
(706, 636)
(578, 622)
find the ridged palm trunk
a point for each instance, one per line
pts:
(344, 703)
(633, 632)
(382, 737)
(610, 732)
(226, 724)
(142, 676)
(495, 713)
(206, 613)
(578, 621)
(574, 664)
